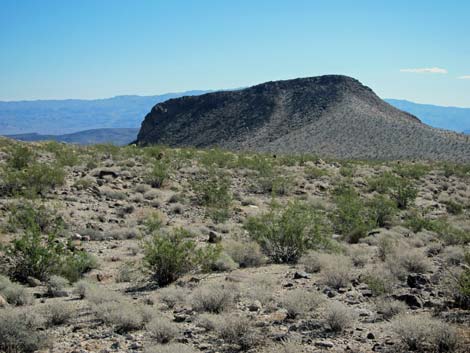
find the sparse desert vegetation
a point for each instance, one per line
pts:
(155, 249)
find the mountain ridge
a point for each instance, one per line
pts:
(332, 115)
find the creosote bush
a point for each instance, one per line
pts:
(170, 255)
(286, 234)
(40, 256)
(213, 192)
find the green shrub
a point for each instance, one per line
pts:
(40, 256)
(381, 210)
(285, 235)
(33, 215)
(217, 158)
(158, 174)
(411, 171)
(36, 178)
(213, 192)
(463, 284)
(20, 157)
(404, 193)
(351, 218)
(383, 183)
(314, 172)
(453, 207)
(66, 155)
(168, 256)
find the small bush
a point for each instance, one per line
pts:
(168, 256)
(338, 317)
(419, 333)
(245, 253)
(26, 215)
(380, 281)
(16, 294)
(161, 330)
(159, 173)
(213, 298)
(171, 348)
(20, 157)
(412, 260)
(300, 302)
(351, 218)
(58, 313)
(19, 331)
(404, 193)
(213, 192)
(411, 171)
(37, 178)
(314, 172)
(224, 263)
(237, 330)
(390, 308)
(285, 235)
(381, 210)
(172, 296)
(56, 286)
(336, 271)
(122, 315)
(383, 183)
(453, 207)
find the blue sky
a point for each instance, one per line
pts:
(416, 50)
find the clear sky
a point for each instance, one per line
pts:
(416, 50)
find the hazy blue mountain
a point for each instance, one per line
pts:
(60, 117)
(117, 136)
(450, 118)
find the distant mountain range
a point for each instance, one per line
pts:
(450, 118)
(118, 136)
(58, 117)
(65, 117)
(331, 115)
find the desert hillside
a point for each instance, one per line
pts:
(128, 249)
(328, 115)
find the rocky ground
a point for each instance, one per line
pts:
(385, 277)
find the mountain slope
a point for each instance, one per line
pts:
(72, 115)
(450, 118)
(330, 115)
(118, 137)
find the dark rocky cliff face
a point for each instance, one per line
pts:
(329, 115)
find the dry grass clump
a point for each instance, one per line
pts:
(288, 346)
(379, 279)
(359, 256)
(214, 298)
(56, 286)
(246, 253)
(19, 331)
(390, 308)
(224, 263)
(300, 302)
(173, 296)
(57, 313)
(162, 330)
(454, 255)
(336, 272)
(338, 316)
(171, 348)
(124, 316)
(260, 288)
(423, 334)
(235, 329)
(14, 293)
(208, 321)
(406, 261)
